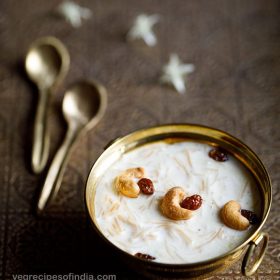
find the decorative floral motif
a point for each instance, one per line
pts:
(142, 29)
(73, 13)
(174, 73)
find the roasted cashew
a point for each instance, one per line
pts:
(232, 217)
(170, 205)
(124, 182)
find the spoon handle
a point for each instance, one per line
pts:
(41, 140)
(54, 177)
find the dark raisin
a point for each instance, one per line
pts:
(146, 186)
(192, 202)
(251, 216)
(218, 154)
(144, 256)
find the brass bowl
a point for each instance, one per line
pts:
(210, 136)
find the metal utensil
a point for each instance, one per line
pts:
(83, 106)
(256, 241)
(46, 64)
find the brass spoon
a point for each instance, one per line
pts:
(83, 106)
(46, 64)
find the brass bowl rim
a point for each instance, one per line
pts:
(207, 262)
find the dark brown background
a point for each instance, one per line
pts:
(235, 46)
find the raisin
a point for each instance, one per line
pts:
(146, 186)
(144, 256)
(218, 154)
(192, 202)
(251, 216)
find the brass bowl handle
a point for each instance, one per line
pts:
(250, 251)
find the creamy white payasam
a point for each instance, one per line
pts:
(138, 225)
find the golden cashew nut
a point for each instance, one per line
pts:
(124, 182)
(170, 205)
(232, 217)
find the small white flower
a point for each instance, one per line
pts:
(174, 73)
(73, 13)
(142, 29)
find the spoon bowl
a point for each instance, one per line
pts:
(46, 64)
(83, 106)
(43, 64)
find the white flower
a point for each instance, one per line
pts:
(174, 73)
(142, 29)
(73, 13)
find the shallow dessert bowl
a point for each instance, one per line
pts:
(173, 133)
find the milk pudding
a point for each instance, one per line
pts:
(138, 225)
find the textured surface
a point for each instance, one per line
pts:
(235, 46)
